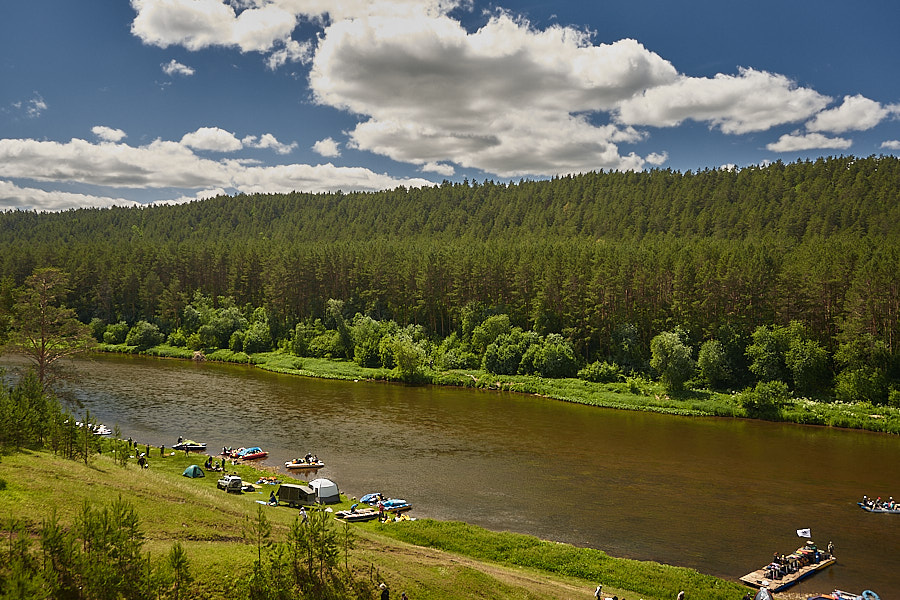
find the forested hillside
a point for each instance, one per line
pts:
(715, 254)
(793, 202)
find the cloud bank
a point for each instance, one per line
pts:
(506, 98)
(163, 164)
(503, 97)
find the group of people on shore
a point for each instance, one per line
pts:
(213, 465)
(598, 594)
(386, 593)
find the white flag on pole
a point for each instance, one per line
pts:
(804, 533)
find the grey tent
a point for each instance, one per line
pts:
(194, 471)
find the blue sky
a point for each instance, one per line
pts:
(160, 101)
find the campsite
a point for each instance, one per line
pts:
(399, 553)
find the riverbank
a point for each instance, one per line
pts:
(632, 394)
(425, 558)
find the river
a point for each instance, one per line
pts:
(717, 495)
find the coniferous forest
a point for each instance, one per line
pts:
(787, 272)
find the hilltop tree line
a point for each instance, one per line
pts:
(588, 271)
(797, 201)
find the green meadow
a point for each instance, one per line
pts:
(425, 558)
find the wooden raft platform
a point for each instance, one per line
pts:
(758, 579)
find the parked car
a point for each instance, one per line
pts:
(230, 483)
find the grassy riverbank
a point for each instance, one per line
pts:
(427, 559)
(632, 394)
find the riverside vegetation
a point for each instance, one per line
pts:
(83, 520)
(769, 292)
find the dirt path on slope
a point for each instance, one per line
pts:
(533, 584)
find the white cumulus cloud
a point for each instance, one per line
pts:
(198, 24)
(657, 158)
(891, 145)
(316, 178)
(173, 67)
(856, 113)
(439, 168)
(263, 26)
(158, 164)
(108, 134)
(793, 142)
(290, 51)
(212, 138)
(201, 195)
(507, 99)
(327, 147)
(269, 141)
(750, 101)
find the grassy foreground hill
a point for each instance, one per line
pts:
(427, 559)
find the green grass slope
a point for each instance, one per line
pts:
(427, 559)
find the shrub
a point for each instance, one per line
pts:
(488, 332)
(224, 355)
(194, 342)
(552, 357)
(115, 333)
(408, 356)
(671, 358)
(303, 334)
(366, 334)
(786, 353)
(458, 359)
(765, 400)
(601, 372)
(257, 338)
(98, 328)
(325, 345)
(808, 363)
(504, 355)
(177, 339)
(713, 364)
(144, 335)
(894, 398)
(637, 386)
(236, 343)
(864, 384)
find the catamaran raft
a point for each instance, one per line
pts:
(785, 571)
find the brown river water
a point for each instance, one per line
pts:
(717, 495)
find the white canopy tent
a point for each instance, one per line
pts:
(326, 490)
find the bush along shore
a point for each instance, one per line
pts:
(102, 526)
(769, 401)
